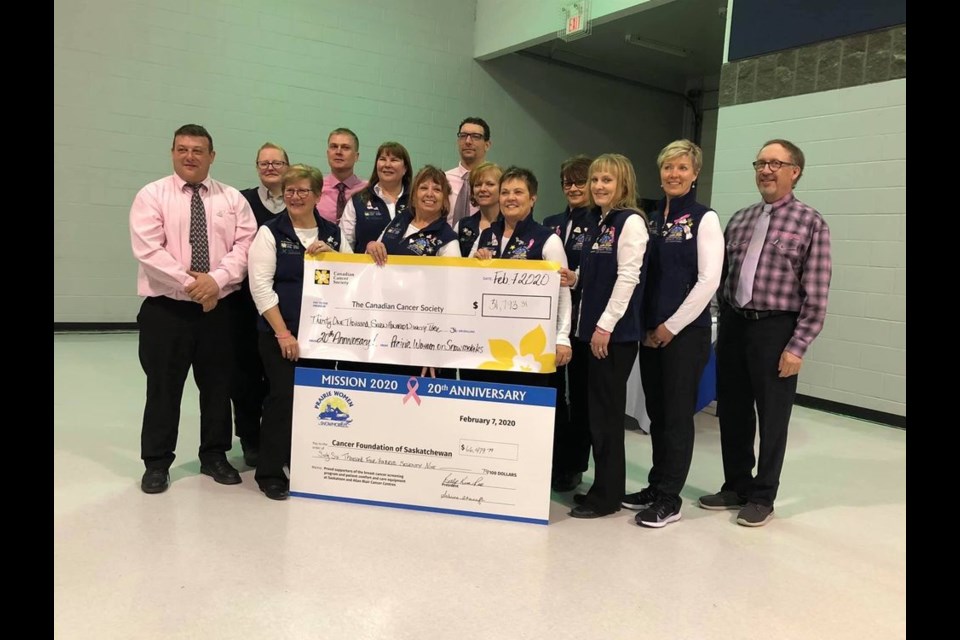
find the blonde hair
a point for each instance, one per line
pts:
(301, 171)
(270, 145)
(481, 170)
(620, 167)
(679, 148)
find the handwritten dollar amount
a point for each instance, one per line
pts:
(508, 304)
(498, 450)
(517, 306)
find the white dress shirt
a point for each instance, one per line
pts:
(710, 247)
(263, 264)
(273, 204)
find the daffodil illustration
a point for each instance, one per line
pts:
(530, 357)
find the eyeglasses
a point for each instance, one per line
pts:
(276, 164)
(773, 164)
(476, 137)
(300, 193)
(569, 184)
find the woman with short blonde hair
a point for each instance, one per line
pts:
(685, 259)
(610, 278)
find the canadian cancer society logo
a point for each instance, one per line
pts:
(334, 409)
(321, 276)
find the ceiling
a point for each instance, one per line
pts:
(693, 28)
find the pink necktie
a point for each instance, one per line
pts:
(748, 271)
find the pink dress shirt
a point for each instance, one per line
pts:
(160, 236)
(327, 205)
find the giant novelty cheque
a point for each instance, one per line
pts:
(459, 313)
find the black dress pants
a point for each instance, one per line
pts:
(276, 428)
(174, 336)
(748, 387)
(571, 435)
(607, 398)
(671, 379)
(250, 382)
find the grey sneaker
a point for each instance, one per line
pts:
(640, 500)
(755, 515)
(722, 501)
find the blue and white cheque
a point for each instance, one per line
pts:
(428, 444)
(431, 312)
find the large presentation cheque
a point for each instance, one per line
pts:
(433, 312)
(423, 443)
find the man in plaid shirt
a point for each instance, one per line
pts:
(773, 299)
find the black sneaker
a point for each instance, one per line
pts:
(664, 510)
(640, 500)
(721, 501)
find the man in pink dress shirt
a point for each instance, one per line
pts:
(343, 151)
(473, 142)
(190, 235)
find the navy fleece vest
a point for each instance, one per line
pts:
(673, 260)
(288, 278)
(468, 232)
(426, 242)
(372, 218)
(526, 243)
(598, 273)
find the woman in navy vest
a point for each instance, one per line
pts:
(610, 280)
(276, 282)
(250, 381)
(517, 236)
(576, 226)
(685, 258)
(368, 212)
(420, 230)
(485, 193)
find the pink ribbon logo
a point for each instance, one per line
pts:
(412, 385)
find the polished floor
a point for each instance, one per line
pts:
(210, 561)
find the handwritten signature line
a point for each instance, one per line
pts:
(327, 458)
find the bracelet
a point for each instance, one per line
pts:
(602, 331)
(281, 336)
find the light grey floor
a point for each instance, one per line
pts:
(210, 561)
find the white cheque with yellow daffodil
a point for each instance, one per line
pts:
(432, 312)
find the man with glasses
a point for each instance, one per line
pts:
(473, 142)
(343, 152)
(576, 226)
(190, 234)
(250, 383)
(773, 300)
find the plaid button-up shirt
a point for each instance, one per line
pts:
(794, 270)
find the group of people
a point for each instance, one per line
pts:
(633, 285)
